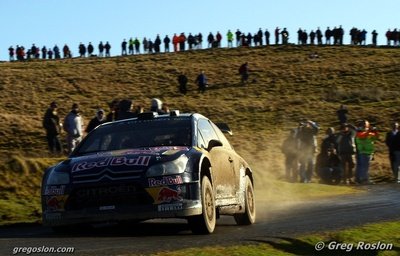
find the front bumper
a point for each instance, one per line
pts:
(115, 203)
(122, 213)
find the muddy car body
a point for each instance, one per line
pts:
(152, 166)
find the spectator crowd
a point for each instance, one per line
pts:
(183, 42)
(342, 157)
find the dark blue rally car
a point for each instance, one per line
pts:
(152, 166)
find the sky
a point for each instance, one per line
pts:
(50, 22)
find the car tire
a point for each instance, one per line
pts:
(205, 222)
(249, 215)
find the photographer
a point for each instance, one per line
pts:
(307, 138)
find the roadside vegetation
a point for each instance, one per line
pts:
(379, 234)
(285, 87)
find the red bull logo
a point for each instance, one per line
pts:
(165, 181)
(112, 161)
(169, 195)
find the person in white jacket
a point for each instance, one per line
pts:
(73, 126)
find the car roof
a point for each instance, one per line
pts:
(155, 116)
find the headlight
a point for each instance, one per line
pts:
(57, 178)
(173, 167)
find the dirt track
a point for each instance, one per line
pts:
(378, 203)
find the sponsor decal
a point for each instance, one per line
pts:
(169, 207)
(112, 161)
(107, 207)
(104, 191)
(56, 203)
(165, 181)
(141, 152)
(166, 148)
(54, 190)
(167, 195)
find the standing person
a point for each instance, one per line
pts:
(73, 126)
(244, 73)
(130, 46)
(107, 47)
(290, 150)
(56, 51)
(182, 41)
(52, 125)
(285, 36)
(66, 51)
(374, 37)
(238, 34)
(50, 53)
(318, 33)
(328, 35)
(201, 81)
(125, 110)
(166, 41)
(100, 118)
(82, 50)
(267, 35)
(307, 138)
(365, 144)
(157, 43)
(175, 42)
(11, 53)
(229, 37)
(136, 42)
(44, 52)
(392, 141)
(113, 114)
(124, 47)
(182, 80)
(90, 49)
(210, 40)
(156, 105)
(346, 149)
(342, 114)
(277, 35)
(101, 49)
(218, 38)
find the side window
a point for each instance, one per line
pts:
(200, 141)
(222, 137)
(206, 131)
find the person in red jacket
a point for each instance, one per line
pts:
(175, 42)
(182, 40)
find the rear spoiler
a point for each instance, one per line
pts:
(224, 128)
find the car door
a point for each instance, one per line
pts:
(222, 165)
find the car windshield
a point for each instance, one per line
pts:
(138, 134)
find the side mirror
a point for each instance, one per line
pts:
(224, 128)
(214, 143)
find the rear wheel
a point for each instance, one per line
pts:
(249, 216)
(205, 222)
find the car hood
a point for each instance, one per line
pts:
(121, 160)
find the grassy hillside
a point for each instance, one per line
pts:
(287, 86)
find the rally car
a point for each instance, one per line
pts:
(152, 166)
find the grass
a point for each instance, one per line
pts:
(351, 239)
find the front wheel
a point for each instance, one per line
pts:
(249, 215)
(205, 222)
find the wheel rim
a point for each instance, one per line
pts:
(250, 200)
(209, 204)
